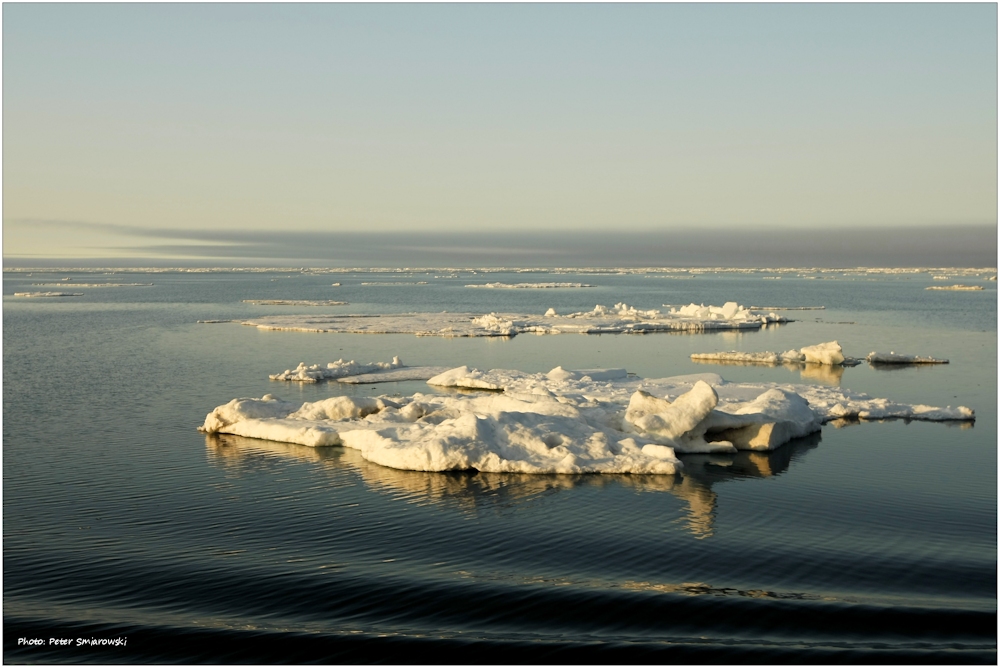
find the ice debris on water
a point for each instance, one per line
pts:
(562, 421)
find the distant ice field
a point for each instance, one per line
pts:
(862, 542)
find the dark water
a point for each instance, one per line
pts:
(873, 542)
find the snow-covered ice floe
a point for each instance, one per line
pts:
(829, 353)
(896, 358)
(602, 320)
(48, 294)
(563, 421)
(540, 286)
(354, 373)
(294, 302)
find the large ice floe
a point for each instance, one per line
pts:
(621, 318)
(563, 421)
(829, 353)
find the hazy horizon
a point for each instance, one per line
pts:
(156, 130)
(966, 246)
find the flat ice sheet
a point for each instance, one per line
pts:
(602, 320)
(563, 421)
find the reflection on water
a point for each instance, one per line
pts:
(238, 454)
(702, 472)
(821, 373)
(840, 423)
(902, 367)
(473, 492)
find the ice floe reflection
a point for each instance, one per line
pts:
(820, 373)
(473, 492)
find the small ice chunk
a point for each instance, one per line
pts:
(729, 310)
(562, 374)
(823, 353)
(897, 358)
(334, 370)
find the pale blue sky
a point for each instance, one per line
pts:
(120, 118)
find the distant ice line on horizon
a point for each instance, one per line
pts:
(965, 271)
(48, 294)
(92, 285)
(294, 302)
(539, 286)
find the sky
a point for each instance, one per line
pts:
(188, 132)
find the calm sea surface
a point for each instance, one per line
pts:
(873, 542)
